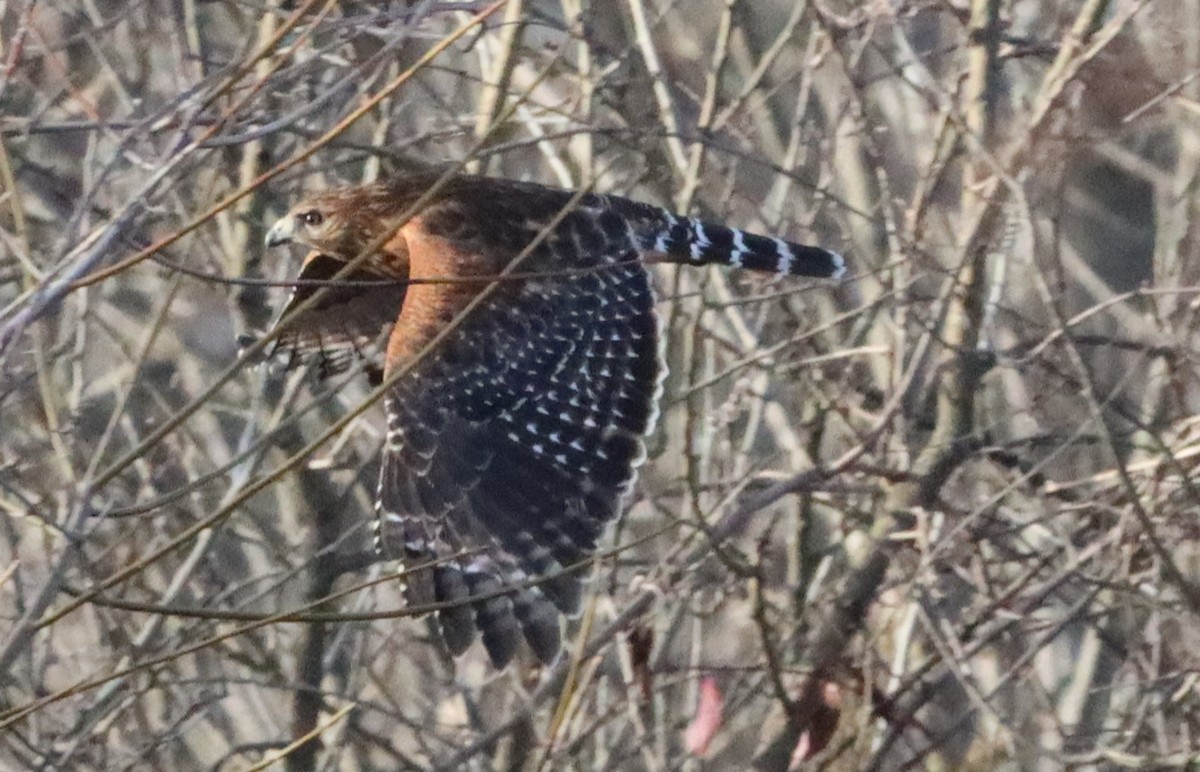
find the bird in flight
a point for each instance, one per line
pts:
(514, 440)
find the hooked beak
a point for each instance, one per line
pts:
(281, 232)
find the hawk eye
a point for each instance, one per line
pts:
(312, 217)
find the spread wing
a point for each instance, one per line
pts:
(352, 319)
(513, 442)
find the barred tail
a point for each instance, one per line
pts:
(685, 240)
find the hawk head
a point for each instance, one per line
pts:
(342, 222)
(324, 223)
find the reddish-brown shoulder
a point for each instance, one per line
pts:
(430, 304)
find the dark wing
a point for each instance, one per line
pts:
(513, 444)
(352, 320)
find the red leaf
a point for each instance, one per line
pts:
(707, 720)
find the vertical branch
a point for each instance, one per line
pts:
(708, 107)
(983, 31)
(962, 367)
(582, 144)
(248, 210)
(662, 92)
(308, 700)
(497, 73)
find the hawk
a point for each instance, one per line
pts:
(514, 441)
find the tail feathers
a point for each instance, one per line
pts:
(686, 240)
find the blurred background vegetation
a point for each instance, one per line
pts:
(942, 515)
